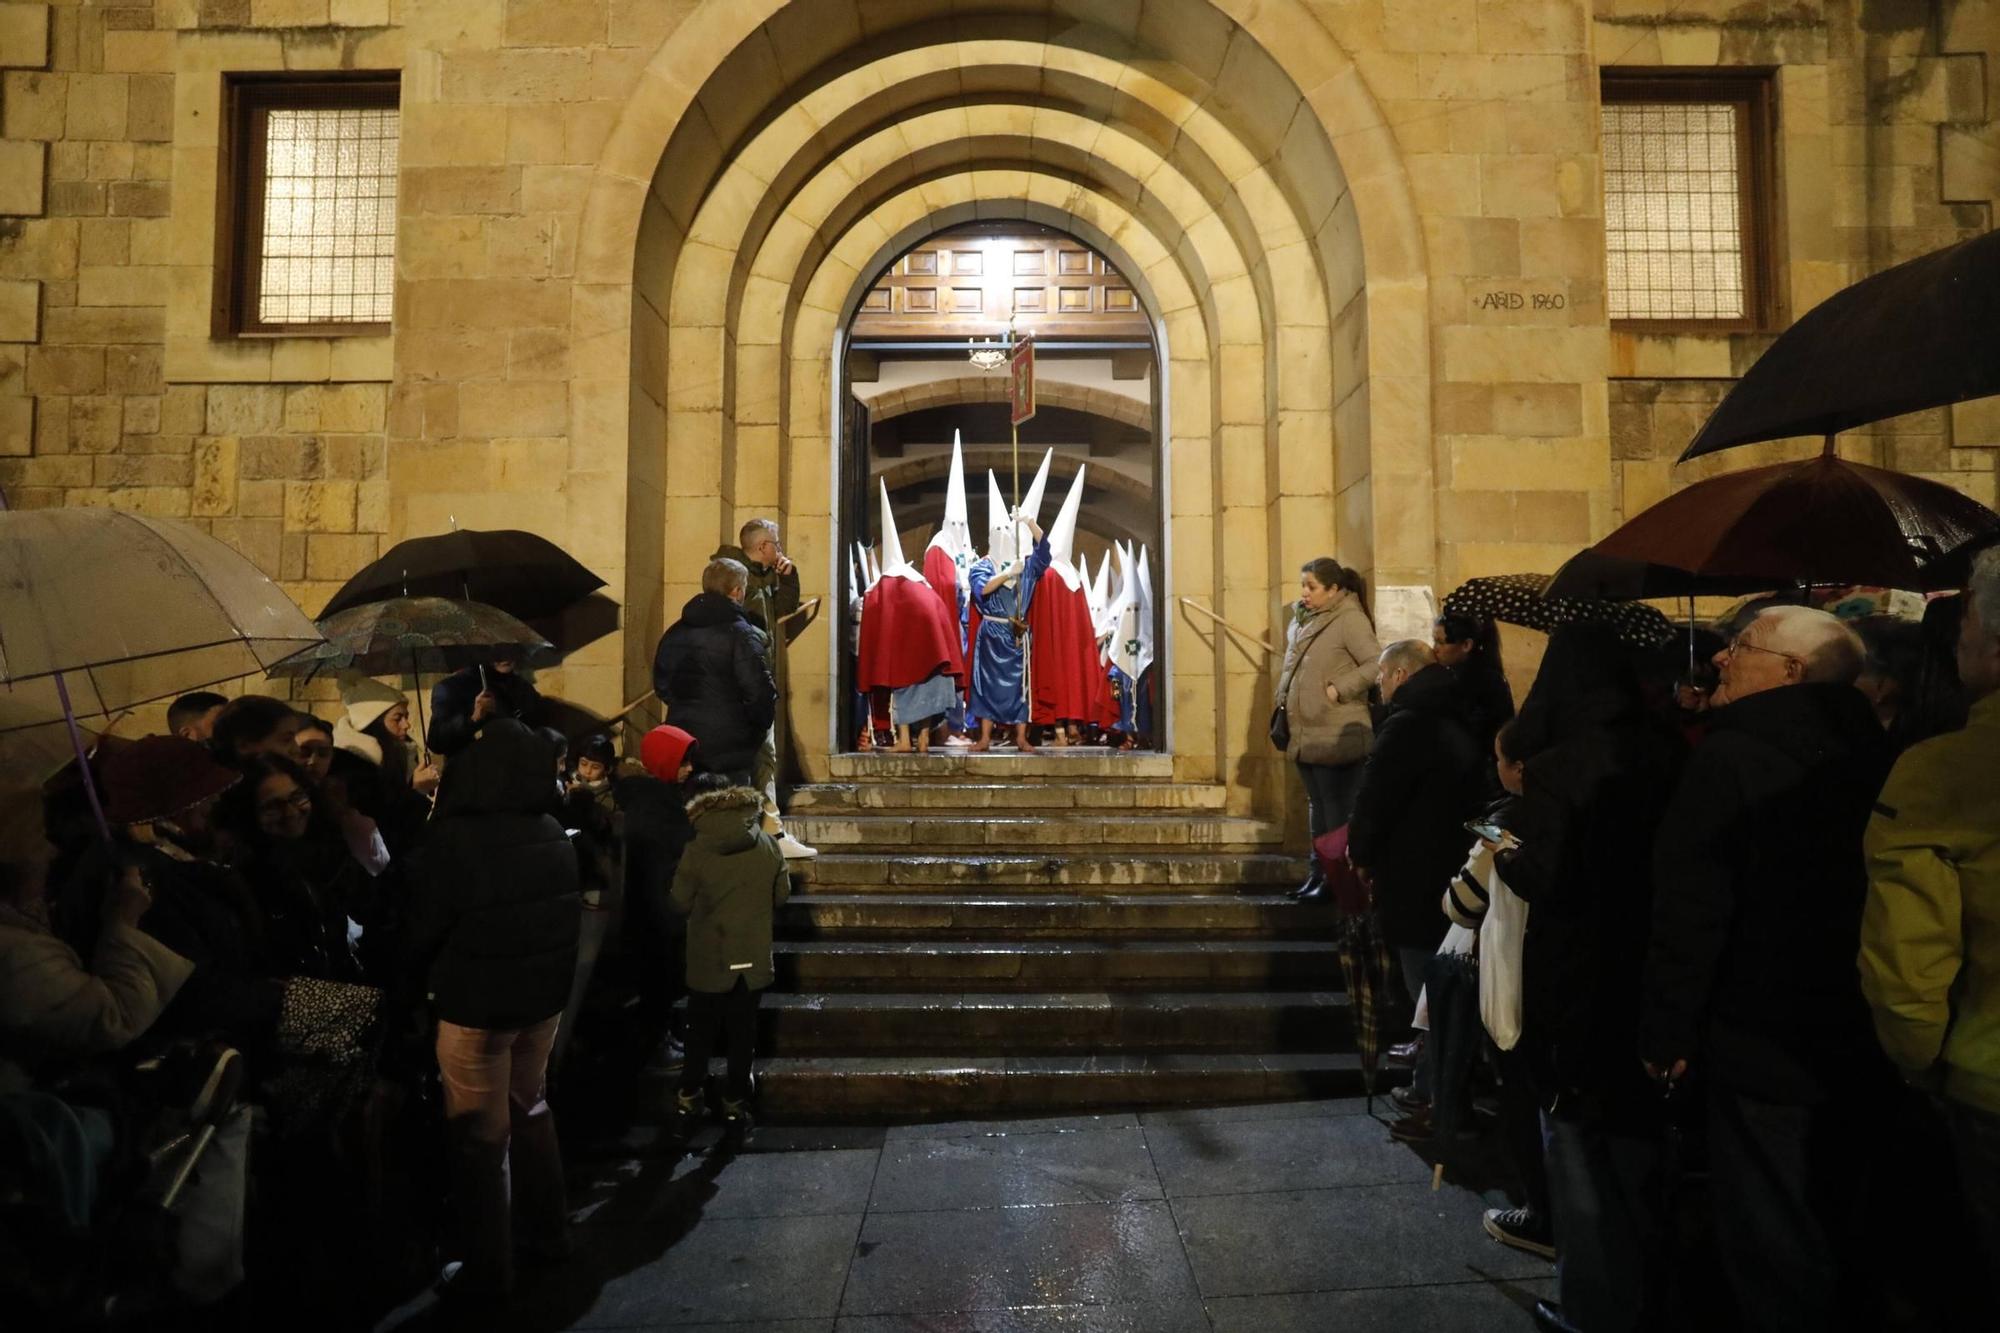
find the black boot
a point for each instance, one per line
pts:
(1312, 890)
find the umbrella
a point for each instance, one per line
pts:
(1364, 965)
(1457, 1036)
(414, 634)
(1591, 575)
(1918, 335)
(1821, 521)
(127, 609)
(524, 575)
(1518, 599)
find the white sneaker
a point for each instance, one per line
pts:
(795, 850)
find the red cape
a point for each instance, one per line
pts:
(942, 575)
(1069, 685)
(906, 636)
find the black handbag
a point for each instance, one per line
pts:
(1281, 728)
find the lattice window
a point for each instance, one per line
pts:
(314, 241)
(1685, 191)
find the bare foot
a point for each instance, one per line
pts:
(867, 741)
(924, 743)
(981, 747)
(900, 747)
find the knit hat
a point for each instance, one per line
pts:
(599, 750)
(157, 777)
(367, 699)
(663, 750)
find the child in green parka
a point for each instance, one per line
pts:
(729, 883)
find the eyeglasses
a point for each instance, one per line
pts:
(1737, 645)
(300, 801)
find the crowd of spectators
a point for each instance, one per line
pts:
(1761, 951)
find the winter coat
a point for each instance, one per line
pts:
(495, 911)
(452, 728)
(1335, 647)
(1930, 937)
(1759, 883)
(1590, 808)
(729, 884)
(1421, 782)
(712, 672)
(52, 1006)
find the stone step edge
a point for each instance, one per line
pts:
(1086, 946)
(861, 1002)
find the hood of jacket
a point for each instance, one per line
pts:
(726, 821)
(509, 770)
(1810, 723)
(1431, 690)
(709, 609)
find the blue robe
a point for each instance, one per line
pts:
(999, 664)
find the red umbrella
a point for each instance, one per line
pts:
(1821, 521)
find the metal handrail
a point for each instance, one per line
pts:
(1193, 605)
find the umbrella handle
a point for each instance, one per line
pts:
(82, 760)
(423, 727)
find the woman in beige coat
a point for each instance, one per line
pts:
(1330, 661)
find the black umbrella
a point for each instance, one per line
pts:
(1593, 575)
(1919, 335)
(1517, 599)
(526, 576)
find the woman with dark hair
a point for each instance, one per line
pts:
(1469, 648)
(299, 868)
(1321, 721)
(253, 725)
(378, 765)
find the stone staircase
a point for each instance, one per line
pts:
(1008, 933)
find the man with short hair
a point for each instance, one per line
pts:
(1749, 976)
(712, 673)
(1423, 778)
(1930, 937)
(192, 716)
(772, 598)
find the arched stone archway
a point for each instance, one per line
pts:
(1227, 153)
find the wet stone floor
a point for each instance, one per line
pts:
(1265, 1219)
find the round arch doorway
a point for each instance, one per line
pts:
(922, 390)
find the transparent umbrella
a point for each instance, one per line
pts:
(101, 610)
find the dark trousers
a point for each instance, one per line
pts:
(1784, 1178)
(1521, 1130)
(1975, 1135)
(734, 1014)
(1330, 792)
(1604, 1184)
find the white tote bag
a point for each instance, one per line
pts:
(1500, 936)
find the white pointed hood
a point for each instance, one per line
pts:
(1062, 534)
(870, 571)
(1099, 591)
(1124, 617)
(1001, 540)
(1031, 503)
(894, 564)
(955, 537)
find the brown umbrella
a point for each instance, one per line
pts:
(1821, 521)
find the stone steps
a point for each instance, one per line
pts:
(949, 1087)
(1080, 832)
(855, 797)
(1052, 916)
(807, 966)
(1052, 1023)
(1142, 872)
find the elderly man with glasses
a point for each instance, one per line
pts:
(1751, 987)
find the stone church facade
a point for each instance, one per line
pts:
(628, 235)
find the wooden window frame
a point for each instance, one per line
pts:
(240, 185)
(1753, 91)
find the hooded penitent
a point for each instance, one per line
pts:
(1068, 680)
(907, 636)
(950, 555)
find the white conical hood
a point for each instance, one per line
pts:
(955, 537)
(1062, 534)
(894, 564)
(871, 570)
(1002, 544)
(1031, 503)
(1124, 617)
(1100, 593)
(1145, 604)
(853, 580)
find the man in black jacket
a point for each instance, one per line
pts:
(712, 672)
(1750, 975)
(1423, 779)
(462, 702)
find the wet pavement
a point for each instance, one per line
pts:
(1265, 1219)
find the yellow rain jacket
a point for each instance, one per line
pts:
(1930, 937)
